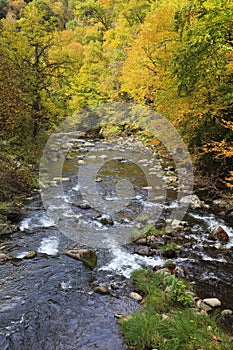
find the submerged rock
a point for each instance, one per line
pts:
(87, 256)
(219, 234)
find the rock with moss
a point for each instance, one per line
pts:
(87, 256)
(7, 229)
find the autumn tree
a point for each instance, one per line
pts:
(28, 43)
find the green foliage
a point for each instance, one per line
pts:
(169, 246)
(161, 324)
(178, 290)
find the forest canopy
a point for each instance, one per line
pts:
(57, 57)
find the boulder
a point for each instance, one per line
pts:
(219, 234)
(212, 302)
(87, 256)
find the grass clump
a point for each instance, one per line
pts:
(167, 321)
(148, 230)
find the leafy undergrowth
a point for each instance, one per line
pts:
(168, 320)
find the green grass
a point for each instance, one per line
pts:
(166, 321)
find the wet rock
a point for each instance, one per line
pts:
(87, 256)
(227, 312)
(143, 250)
(114, 286)
(101, 290)
(106, 220)
(7, 229)
(31, 255)
(5, 257)
(219, 234)
(135, 296)
(85, 205)
(212, 302)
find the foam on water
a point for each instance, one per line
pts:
(76, 188)
(124, 262)
(49, 245)
(212, 222)
(36, 221)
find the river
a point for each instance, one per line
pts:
(48, 302)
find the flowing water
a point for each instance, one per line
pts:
(48, 302)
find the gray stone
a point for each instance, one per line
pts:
(87, 256)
